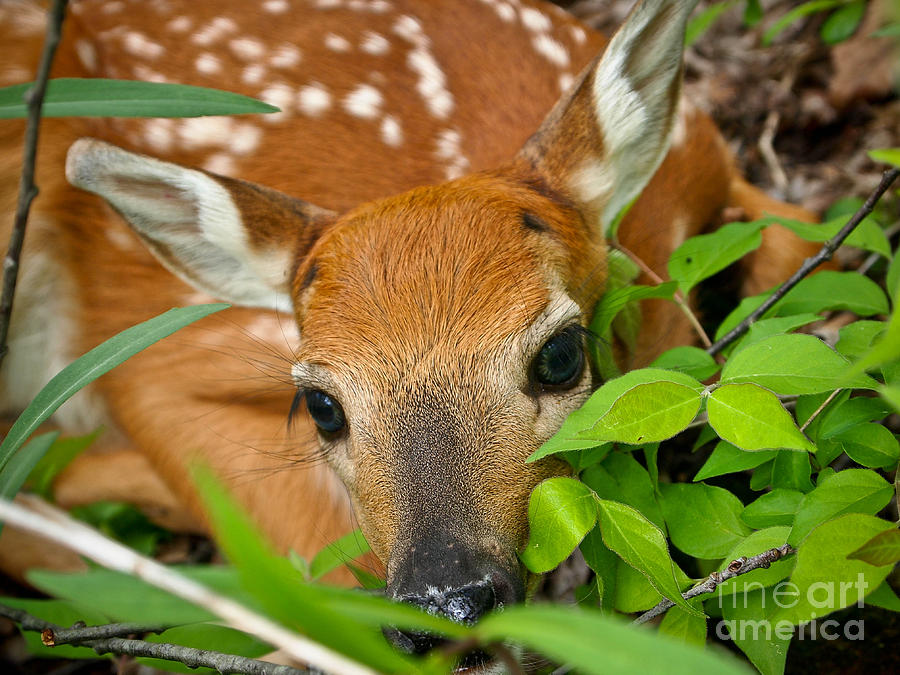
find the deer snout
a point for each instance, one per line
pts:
(444, 578)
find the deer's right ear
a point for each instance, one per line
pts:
(234, 240)
(603, 142)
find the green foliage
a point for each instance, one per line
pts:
(97, 97)
(786, 407)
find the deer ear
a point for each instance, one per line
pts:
(231, 239)
(603, 142)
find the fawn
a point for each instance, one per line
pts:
(428, 301)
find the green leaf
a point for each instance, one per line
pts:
(347, 548)
(14, 474)
(752, 418)
(600, 403)
(58, 457)
(796, 14)
(704, 521)
(824, 577)
(766, 328)
(648, 413)
(848, 491)
(753, 13)
(762, 476)
(871, 445)
(843, 22)
(561, 512)
(749, 620)
(621, 478)
(726, 458)
(830, 290)
(642, 545)
(125, 523)
(850, 414)
(867, 235)
(634, 592)
(205, 636)
(684, 627)
(754, 544)
(856, 338)
(886, 156)
(92, 365)
(576, 637)
(774, 508)
(604, 564)
(791, 364)
(97, 97)
(615, 300)
(892, 279)
(884, 351)
(792, 471)
(702, 256)
(346, 621)
(690, 360)
(700, 23)
(884, 597)
(882, 549)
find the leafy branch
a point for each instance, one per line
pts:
(735, 569)
(825, 253)
(106, 639)
(27, 189)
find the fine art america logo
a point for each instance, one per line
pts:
(761, 620)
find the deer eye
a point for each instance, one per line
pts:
(560, 362)
(325, 411)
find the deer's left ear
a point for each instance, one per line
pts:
(603, 142)
(234, 240)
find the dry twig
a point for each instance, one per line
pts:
(735, 568)
(34, 97)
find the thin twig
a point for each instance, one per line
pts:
(825, 253)
(34, 97)
(820, 408)
(56, 525)
(105, 640)
(677, 296)
(735, 568)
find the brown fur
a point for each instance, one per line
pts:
(412, 300)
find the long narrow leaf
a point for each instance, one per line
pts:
(90, 366)
(98, 97)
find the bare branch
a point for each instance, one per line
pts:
(809, 264)
(27, 189)
(105, 640)
(735, 568)
(52, 523)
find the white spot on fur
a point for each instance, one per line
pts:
(391, 133)
(336, 43)
(214, 31)
(113, 7)
(505, 11)
(535, 20)
(205, 132)
(314, 99)
(432, 84)
(87, 54)
(380, 6)
(247, 49)
(146, 74)
(120, 239)
(280, 95)
(566, 80)
(138, 44)
(223, 164)
(410, 29)
(578, 34)
(159, 134)
(364, 102)
(276, 6)
(275, 329)
(679, 128)
(551, 50)
(245, 139)
(208, 64)
(448, 147)
(182, 24)
(285, 56)
(328, 4)
(15, 75)
(374, 43)
(253, 74)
